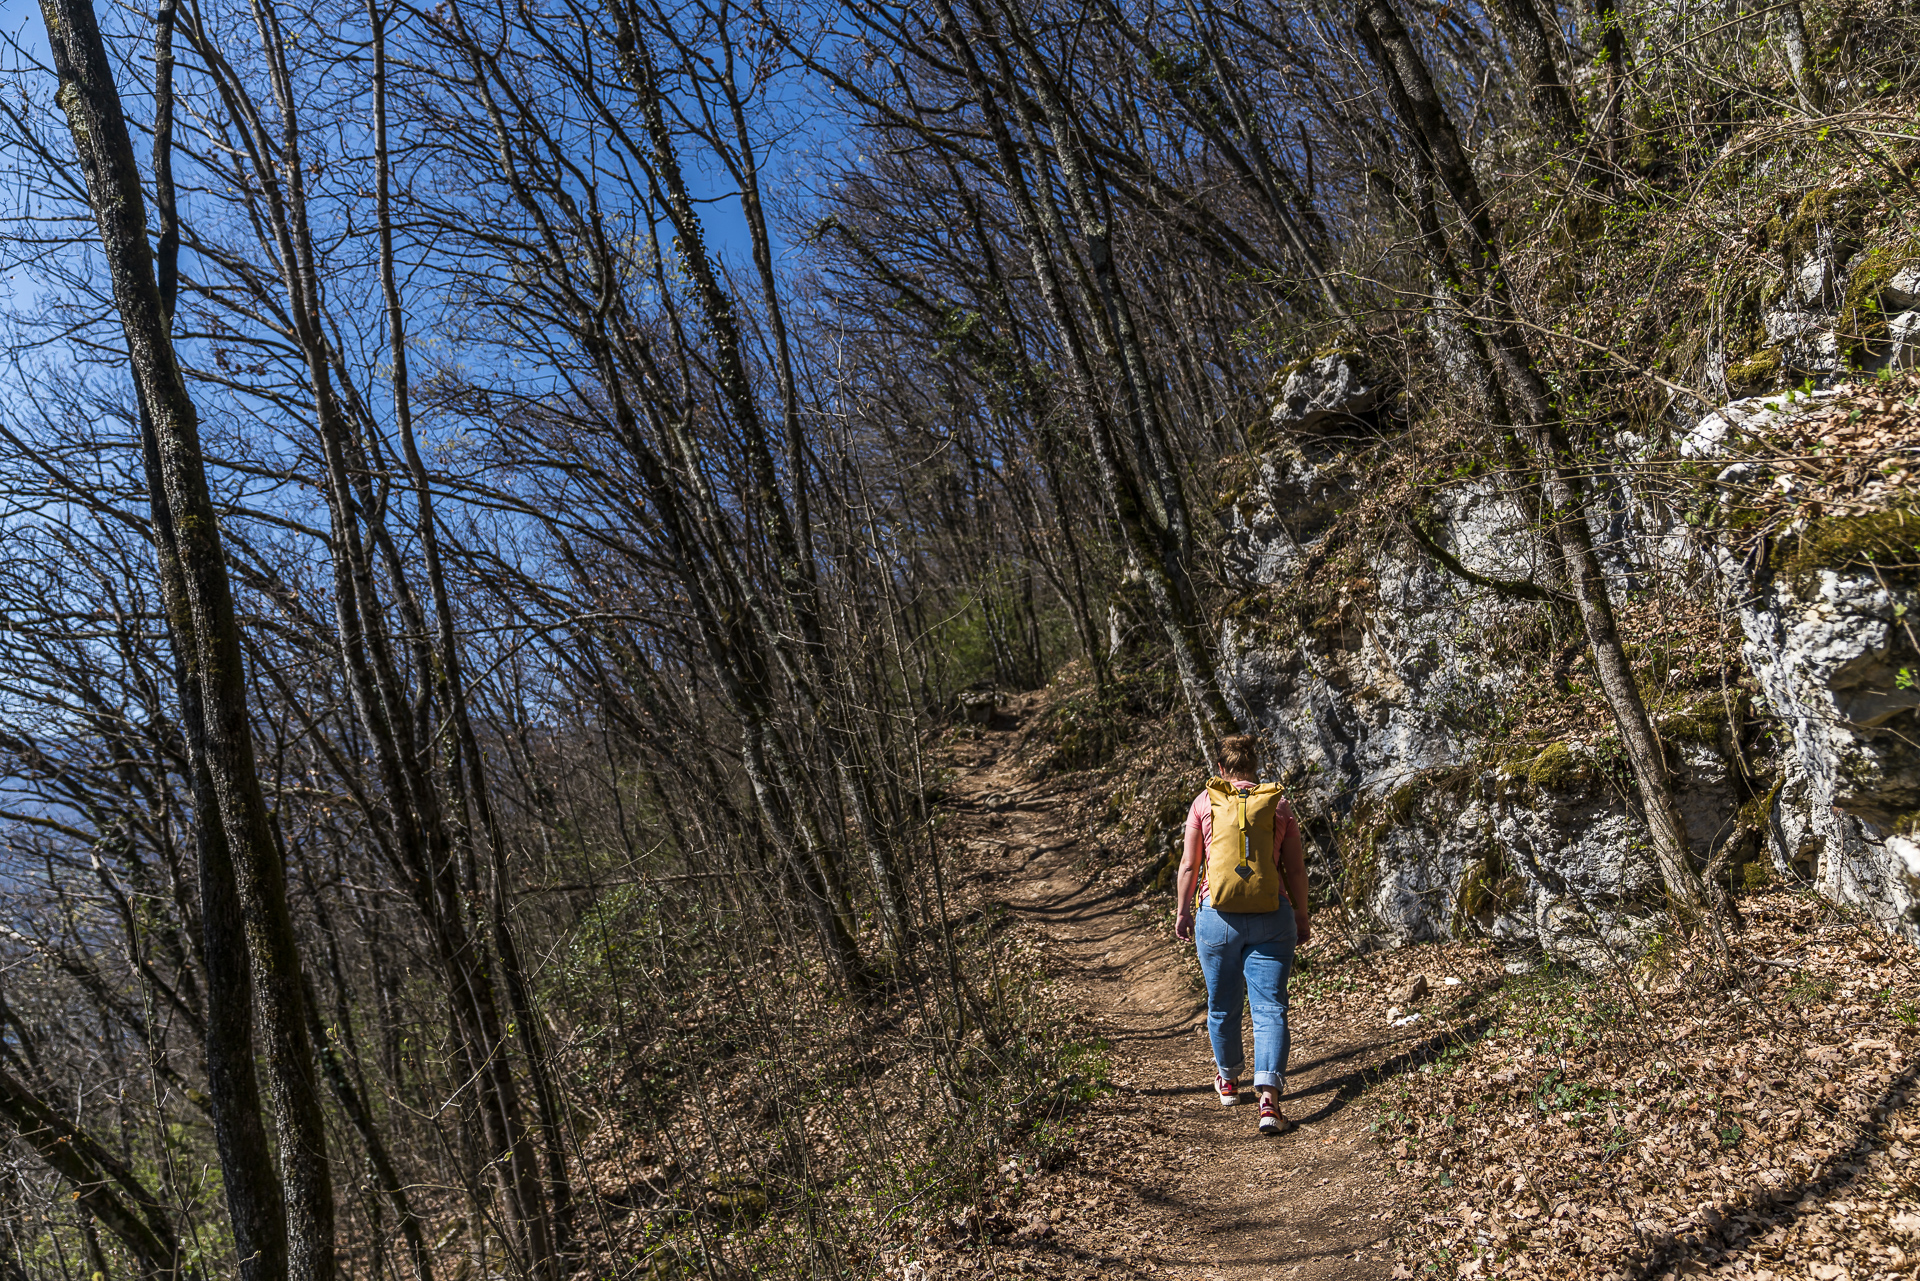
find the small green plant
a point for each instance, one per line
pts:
(1806, 990)
(1557, 1092)
(1087, 1068)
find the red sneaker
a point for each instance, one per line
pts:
(1271, 1122)
(1227, 1088)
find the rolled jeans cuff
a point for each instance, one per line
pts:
(1234, 1074)
(1273, 1080)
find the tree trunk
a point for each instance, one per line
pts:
(465, 744)
(1613, 48)
(298, 1240)
(1184, 631)
(1532, 45)
(1806, 80)
(1412, 92)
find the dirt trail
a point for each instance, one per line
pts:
(1231, 1204)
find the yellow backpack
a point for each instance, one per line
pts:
(1241, 876)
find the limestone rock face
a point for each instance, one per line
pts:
(1273, 529)
(1378, 707)
(1805, 339)
(1903, 289)
(1819, 315)
(1320, 392)
(1829, 653)
(1903, 335)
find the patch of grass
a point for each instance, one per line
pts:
(1312, 984)
(1086, 728)
(1559, 1009)
(1088, 1068)
(1806, 990)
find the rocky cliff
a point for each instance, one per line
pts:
(1436, 721)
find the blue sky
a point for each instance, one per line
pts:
(725, 223)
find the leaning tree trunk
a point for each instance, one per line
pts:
(294, 1238)
(1411, 89)
(1172, 607)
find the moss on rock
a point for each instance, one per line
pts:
(1700, 721)
(1862, 324)
(1553, 768)
(1400, 804)
(1485, 887)
(1888, 541)
(1758, 811)
(1762, 369)
(1841, 210)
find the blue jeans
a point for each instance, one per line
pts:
(1246, 957)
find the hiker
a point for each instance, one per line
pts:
(1244, 857)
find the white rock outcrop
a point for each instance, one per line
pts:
(1379, 712)
(1322, 391)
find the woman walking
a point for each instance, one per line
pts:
(1244, 858)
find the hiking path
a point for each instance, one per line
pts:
(1217, 1201)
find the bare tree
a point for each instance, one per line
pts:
(295, 1238)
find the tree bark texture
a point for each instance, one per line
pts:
(1532, 42)
(1806, 78)
(298, 1241)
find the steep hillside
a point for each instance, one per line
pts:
(1464, 1107)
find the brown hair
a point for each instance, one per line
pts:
(1239, 756)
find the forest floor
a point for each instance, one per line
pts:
(1180, 1186)
(1757, 1122)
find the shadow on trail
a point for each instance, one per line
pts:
(1755, 1215)
(1075, 905)
(1349, 1085)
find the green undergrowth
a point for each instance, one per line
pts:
(1087, 725)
